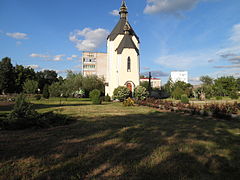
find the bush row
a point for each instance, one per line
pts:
(217, 110)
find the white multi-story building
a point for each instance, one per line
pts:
(94, 64)
(179, 76)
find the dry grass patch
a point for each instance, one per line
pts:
(110, 141)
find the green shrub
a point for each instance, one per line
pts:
(38, 97)
(128, 102)
(184, 99)
(107, 98)
(46, 92)
(23, 115)
(218, 97)
(177, 93)
(140, 93)
(121, 93)
(234, 95)
(95, 96)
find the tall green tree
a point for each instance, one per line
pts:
(7, 76)
(238, 84)
(207, 86)
(46, 77)
(225, 86)
(30, 86)
(22, 74)
(185, 87)
(206, 80)
(56, 89)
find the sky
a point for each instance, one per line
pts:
(199, 36)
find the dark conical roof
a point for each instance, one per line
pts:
(127, 42)
(119, 29)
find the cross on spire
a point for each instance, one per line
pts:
(123, 10)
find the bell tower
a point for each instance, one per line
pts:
(123, 58)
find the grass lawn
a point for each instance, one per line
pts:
(110, 141)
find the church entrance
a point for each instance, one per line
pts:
(129, 86)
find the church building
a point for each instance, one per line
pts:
(123, 58)
(120, 66)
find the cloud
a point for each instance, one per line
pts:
(33, 55)
(211, 60)
(17, 35)
(146, 68)
(156, 74)
(235, 60)
(90, 39)
(58, 57)
(72, 57)
(185, 61)
(114, 12)
(228, 66)
(169, 6)
(235, 37)
(34, 66)
(48, 57)
(226, 55)
(226, 72)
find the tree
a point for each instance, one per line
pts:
(22, 74)
(177, 93)
(206, 80)
(46, 77)
(46, 92)
(6, 76)
(238, 84)
(186, 88)
(30, 86)
(225, 86)
(55, 89)
(93, 82)
(144, 84)
(168, 87)
(207, 86)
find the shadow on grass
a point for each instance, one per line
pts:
(6, 106)
(137, 146)
(9, 107)
(44, 106)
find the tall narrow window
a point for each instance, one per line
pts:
(128, 64)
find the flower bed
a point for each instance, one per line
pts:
(226, 110)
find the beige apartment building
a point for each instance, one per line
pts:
(155, 82)
(94, 63)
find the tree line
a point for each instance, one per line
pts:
(226, 86)
(20, 79)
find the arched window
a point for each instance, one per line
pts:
(128, 64)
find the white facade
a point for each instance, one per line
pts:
(122, 48)
(179, 76)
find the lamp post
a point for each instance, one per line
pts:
(149, 83)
